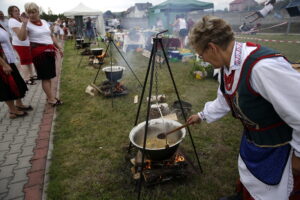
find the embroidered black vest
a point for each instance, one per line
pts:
(262, 125)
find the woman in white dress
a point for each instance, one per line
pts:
(12, 86)
(22, 47)
(43, 48)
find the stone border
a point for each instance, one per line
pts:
(35, 188)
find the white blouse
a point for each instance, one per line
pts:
(6, 46)
(13, 23)
(276, 81)
(182, 23)
(39, 34)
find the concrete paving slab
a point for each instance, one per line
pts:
(18, 139)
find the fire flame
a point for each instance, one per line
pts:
(148, 164)
(179, 158)
(119, 88)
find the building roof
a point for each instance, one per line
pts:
(143, 6)
(140, 6)
(239, 1)
(182, 6)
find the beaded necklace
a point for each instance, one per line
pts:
(37, 23)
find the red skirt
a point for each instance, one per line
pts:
(12, 87)
(24, 54)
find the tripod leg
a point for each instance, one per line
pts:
(80, 61)
(181, 107)
(111, 63)
(97, 75)
(147, 120)
(100, 67)
(142, 95)
(127, 63)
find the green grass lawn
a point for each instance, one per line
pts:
(287, 49)
(91, 137)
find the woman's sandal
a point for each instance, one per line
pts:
(16, 115)
(24, 108)
(57, 103)
(30, 82)
(34, 78)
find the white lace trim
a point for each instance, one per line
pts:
(261, 191)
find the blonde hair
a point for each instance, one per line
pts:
(31, 6)
(210, 29)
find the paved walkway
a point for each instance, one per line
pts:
(24, 145)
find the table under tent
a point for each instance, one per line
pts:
(168, 10)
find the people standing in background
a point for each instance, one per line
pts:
(159, 24)
(244, 27)
(56, 29)
(72, 28)
(43, 48)
(190, 24)
(116, 23)
(89, 29)
(61, 32)
(3, 21)
(12, 86)
(176, 26)
(22, 47)
(183, 31)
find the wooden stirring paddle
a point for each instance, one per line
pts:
(163, 135)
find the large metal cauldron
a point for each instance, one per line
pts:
(113, 73)
(156, 126)
(97, 51)
(79, 41)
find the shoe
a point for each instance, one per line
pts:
(238, 196)
(16, 115)
(57, 103)
(25, 108)
(34, 78)
(30, 82)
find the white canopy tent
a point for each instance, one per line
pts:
(83, 10)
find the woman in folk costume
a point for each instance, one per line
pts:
(261, 89)
(43, 48)
(22, 47)
(12, 86)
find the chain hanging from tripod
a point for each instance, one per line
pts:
(156, 84)
(156, 68)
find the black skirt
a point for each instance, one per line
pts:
(5, 91)
(45, 65)
(183, 32)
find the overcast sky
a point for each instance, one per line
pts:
(59, 6)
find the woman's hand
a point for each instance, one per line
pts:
(61, 52)
(295, 165)
(194, 119)
(7, 69)
(24, 17)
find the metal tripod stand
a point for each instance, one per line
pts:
(157, 41)
(109, 47)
